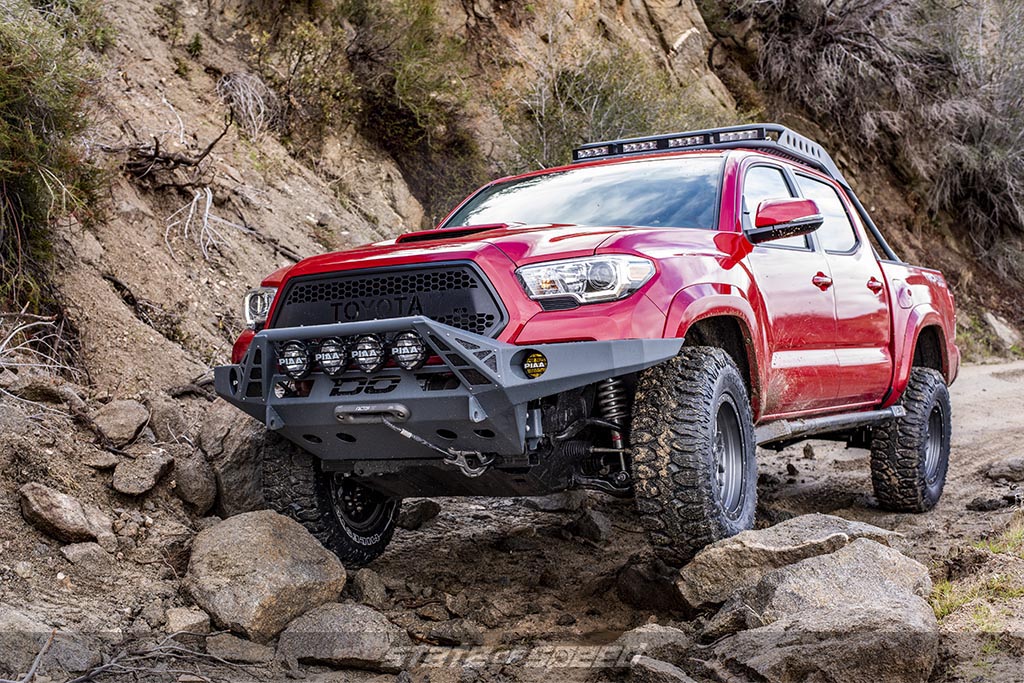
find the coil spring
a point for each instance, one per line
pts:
(612, 400)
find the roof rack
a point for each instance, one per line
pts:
(771, 138)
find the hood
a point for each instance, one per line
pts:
(521, 244)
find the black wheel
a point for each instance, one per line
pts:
(910, 455)
(693, 452)
(350, 519)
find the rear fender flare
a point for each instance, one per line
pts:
(921, 316)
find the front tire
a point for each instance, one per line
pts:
(910, 454)
(350, 519)
(694, 455)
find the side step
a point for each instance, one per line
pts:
(794, 430)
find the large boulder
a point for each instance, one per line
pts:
(656, 641)
(1011, 469)
(345, 635)
(195, 482)
(166, 419)
(416, 513)
(64, 517)
(732, 564)
(257, 571)
(233, 443)
(647, 670)
(857, 614)
(22, 636)
(121, 421)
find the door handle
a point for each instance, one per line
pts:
(821, 281)
(875, 285)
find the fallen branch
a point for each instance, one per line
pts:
(136, 661)
(31, 673)
(145, 159)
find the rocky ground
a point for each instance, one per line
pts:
(111, 533)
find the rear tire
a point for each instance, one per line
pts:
(350, 519)
(910, 454)
(694, 455)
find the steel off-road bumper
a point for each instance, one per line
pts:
(475, 400)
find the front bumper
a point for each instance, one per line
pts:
(476, 400)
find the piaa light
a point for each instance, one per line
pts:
(368, 353)
(332, 356)
(294, 359)
(409, 351)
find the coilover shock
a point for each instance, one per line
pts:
(613, 406)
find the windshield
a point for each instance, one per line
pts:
(680, 192)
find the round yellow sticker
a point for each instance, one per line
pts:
(535, 365)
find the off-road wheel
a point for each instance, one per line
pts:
(910, 454)
(351, 520)
(694, 464)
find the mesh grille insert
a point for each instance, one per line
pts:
(454, 294)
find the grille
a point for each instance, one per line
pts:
(455, 295)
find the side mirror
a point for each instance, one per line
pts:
(780, 218)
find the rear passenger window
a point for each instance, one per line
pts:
(836, 233)
(767, 182)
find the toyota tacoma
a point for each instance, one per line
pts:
(636, 322)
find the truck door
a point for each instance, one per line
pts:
(795, 285)
(862, 308)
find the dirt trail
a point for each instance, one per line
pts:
(535, 582)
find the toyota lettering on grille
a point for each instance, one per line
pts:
(383, 307)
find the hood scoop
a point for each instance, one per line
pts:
(447, 233)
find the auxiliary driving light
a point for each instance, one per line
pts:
(368, 353)
(409, 351)
(332, 356)
(295, 360)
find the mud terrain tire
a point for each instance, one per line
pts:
(295, 486)
(694, 455)
(910, 454)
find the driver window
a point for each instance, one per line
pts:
(767, 182)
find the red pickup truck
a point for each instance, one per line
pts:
(637, 322)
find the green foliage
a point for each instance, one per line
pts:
(414, 96)
(43, 175)
(173, 28)
(195, 46)
(306, 66)
(1010, 541)
(80, 21)
(949, 596)
(384, 65)
(586, 94)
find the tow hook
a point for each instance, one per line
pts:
(452, 456)
(458, 459)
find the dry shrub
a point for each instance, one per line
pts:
(254, 104)
(931, 88)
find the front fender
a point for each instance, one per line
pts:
(706, 300)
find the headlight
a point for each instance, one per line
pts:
(588, 280)
(257, 306)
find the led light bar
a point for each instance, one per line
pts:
(688, 141)
(593, 152)
(740, 135)
(646, 146)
